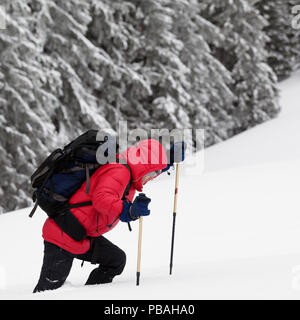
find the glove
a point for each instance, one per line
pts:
(132, 211)
(140, 206)
(177, 154)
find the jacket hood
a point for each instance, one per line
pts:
(149, 155)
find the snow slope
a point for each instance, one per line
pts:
(237, 231)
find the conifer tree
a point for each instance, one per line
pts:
(210, 98)
(243, 54)
(43, 100)
(283, 45)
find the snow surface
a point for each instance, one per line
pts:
(237, 230)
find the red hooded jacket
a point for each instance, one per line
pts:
(107, 186)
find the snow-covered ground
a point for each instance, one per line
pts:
(237, 231)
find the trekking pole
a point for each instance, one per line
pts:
(139, 251)
(138, 272)
(174, 216)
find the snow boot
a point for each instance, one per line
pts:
(98, 276)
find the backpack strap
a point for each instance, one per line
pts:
(87, 174)
(126, 193)
(33, 210)
(80, 204)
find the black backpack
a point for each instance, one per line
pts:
(64, 171)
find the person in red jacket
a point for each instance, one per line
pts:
(109, 205)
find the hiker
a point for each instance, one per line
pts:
(107, 185)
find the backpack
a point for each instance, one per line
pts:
(62, 173)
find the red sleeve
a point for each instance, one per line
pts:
(107, 197)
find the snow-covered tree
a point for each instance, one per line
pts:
(210, 98)
(283, 45)
(243, 53)
(45, 89)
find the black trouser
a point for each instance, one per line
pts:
(57, 264)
